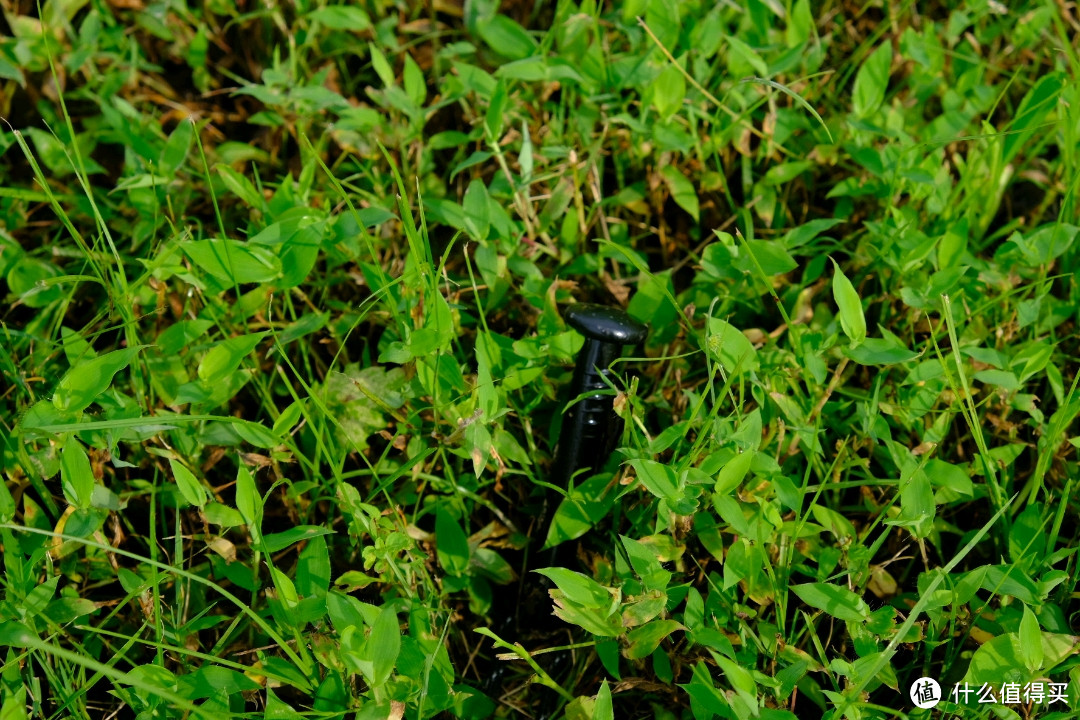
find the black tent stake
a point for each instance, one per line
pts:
(591, 428)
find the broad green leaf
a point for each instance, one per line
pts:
(835, 600)
(747, 55)
(847, 299)
(837, 524)
(241, 187)
(81, 385)
(764, 256)
(413, 78)
(507, 38)
(727, 344)
(492, 565)
(313, 568)
(477, 214)
(580, 510)
(881, 351)
(1027, 537)
(341, 17)
(643, 640)
(66, 609)
(275, 542)
(219, 514)
(1031, 640)
(190, 487)
(786, 172)
(231, 261)
(76, 475)
(381, 66)
(225, 357)
(1037, 104)
(579, 589)
(176, 148)
(452, 544)
(603, 622)
(181, 335)
(494, 117)
(646, 564)
(358, 398)
(26, 279)
(285, 588)
(658, 478)
(745, 699)
(733, 472)
(384, 645)
(248, 501)
(682, 190)
(949, 478)
(299, 254)
(603, 709)
(998, 661)
(917, 509)
(668, 93)
(1011, 580)
(1001, 378)
(872, 80)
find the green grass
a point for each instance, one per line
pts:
(284, 362)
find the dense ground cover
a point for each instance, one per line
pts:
(284, 361)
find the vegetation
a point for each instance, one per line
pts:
(284, 365)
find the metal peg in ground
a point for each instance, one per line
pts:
(591, 427)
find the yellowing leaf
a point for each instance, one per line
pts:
(682, 190)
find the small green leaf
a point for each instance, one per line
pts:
(76, 475)
(852, 319)
(190, 487)
(835, 600)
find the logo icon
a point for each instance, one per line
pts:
(925, 692)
